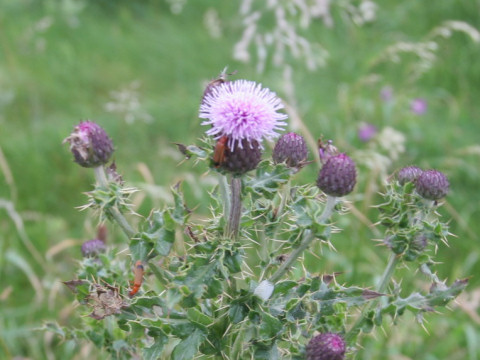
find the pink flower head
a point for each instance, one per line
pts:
(418, 106)
(366, 132)
(242, 110)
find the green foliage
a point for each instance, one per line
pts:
(205, 301)
(48, 84)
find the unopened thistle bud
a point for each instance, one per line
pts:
(90, 144)
(239, 160)
(338, 176)
(291, 149)
(408, 174)
(432, 185)
(326, 346)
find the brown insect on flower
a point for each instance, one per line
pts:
(219, 152)
(221, 79)
(138, 272)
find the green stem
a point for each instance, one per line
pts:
(225, 193)
(307, 240)
(382, 286)
(101, 178)
(235, 208)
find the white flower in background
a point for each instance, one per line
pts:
(392, 141)
(126, 103)
(212, 23)
(281, 39)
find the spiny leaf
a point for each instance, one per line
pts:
(188, 347)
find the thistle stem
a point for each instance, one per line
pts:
(382, 286)
(225, 194)
(102, 181)
(235, 208)
(307, 240)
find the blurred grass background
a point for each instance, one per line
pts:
(62, 61)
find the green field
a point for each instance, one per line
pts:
(65, 61)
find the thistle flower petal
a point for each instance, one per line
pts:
(242, 110)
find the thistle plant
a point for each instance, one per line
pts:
(236, 285)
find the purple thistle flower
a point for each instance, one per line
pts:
(366, 132)
(326, 346)
(242, 110)
(418, 106)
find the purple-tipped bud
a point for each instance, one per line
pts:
(93, 247)
(90, 144)
(291, 149)
(327, 346)
(432, 185)
(338, 176)
(239, 160)
(408, 174)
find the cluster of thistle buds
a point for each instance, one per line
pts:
(429, 184)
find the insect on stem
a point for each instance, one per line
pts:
(138, 278)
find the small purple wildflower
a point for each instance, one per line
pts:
(366, 132)
(418, 106)
(386, 93)
(242, 110)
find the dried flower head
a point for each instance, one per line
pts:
(90, 144)
(432, 185)
(326, 346)
(242, 110)
(291, 149)
(338, 176)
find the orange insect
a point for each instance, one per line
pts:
(138, 278)
(220, 149)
